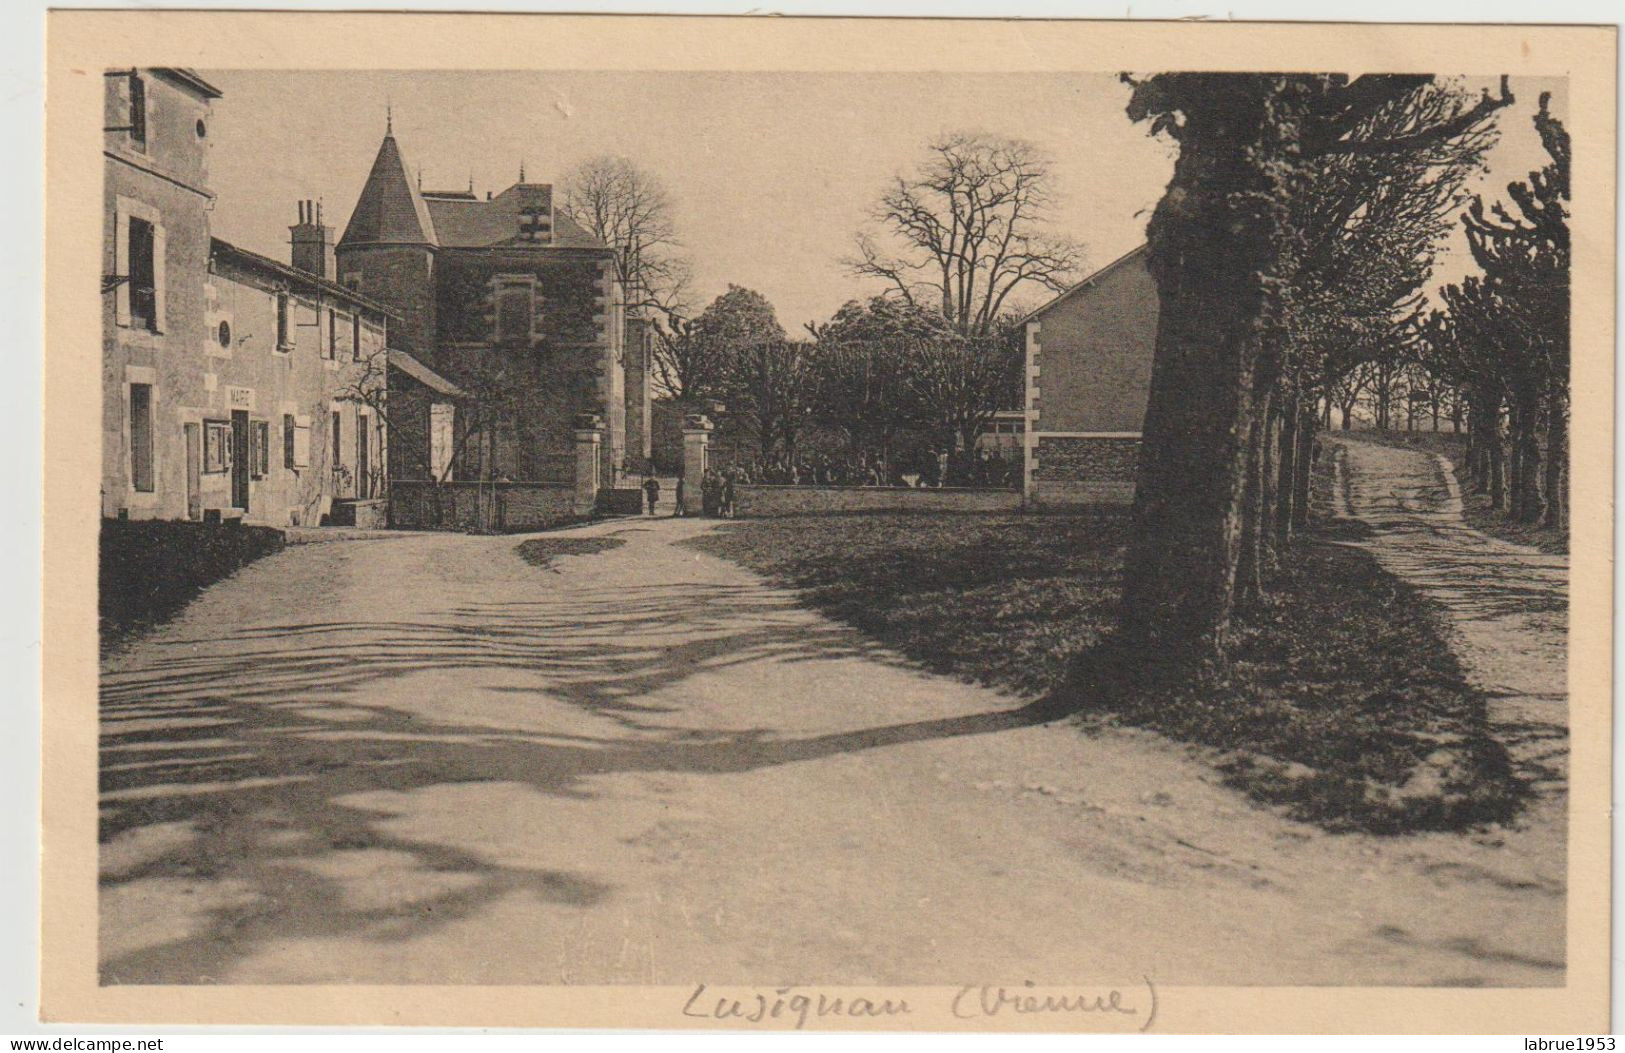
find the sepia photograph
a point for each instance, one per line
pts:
(797, 538)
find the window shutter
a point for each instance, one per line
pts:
(287, 440)
(121, 266)
(159, 268)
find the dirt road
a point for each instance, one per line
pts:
(425, 759)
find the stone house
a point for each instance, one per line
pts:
(1088, 369)
(234, 386)
(515, 305)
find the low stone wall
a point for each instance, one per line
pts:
(481, 507)
(151, 568)
(621, 501)
(369, 514)
(1072, 470)
(760, 500)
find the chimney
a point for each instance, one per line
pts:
(313, 242)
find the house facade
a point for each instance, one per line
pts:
(515, 305)
(1088, 369)
(234, 386)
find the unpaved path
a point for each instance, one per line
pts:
(424, 759)
(1508, 603)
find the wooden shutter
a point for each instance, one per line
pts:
(159, 268)
(121, 266)
(142, 476)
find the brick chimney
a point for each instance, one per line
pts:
(313, 242)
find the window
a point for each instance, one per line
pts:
(355, 336)
(332, 334)
(142, 476)
(514, 313)
(143, 276)
(138, 112)
(259, 448)
(224, 335)
(216, 447)
(282, 341)
(338, 441)
(295, 441)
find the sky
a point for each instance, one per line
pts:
(771, 174)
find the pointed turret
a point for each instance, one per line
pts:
(390, 210)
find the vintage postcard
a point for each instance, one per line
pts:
(791, 524)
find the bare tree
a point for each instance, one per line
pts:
(630, 210)
(967, 228)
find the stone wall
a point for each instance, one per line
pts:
(758, 500)
(479, 507)
(1071, 470)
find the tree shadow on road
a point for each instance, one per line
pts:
(264, 763)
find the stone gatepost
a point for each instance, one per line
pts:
(589, 429)
(696, 450)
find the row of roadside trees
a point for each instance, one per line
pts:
(1292, 254)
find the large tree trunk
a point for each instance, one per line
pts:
(1304, 462)
(1557, 456)
(1530, 504)
(1211, 252)
(1497, 462)
(1287, 471)
(1250, 561)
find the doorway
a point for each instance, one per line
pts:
(363, 458)
(239, 459)
(194, 471)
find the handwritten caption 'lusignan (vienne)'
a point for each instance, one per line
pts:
(795, 1008)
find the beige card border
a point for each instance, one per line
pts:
(82, 43)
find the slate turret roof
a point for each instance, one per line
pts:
(390, 210)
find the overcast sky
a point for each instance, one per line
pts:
(770, 174)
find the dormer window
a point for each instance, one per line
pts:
(536, 224)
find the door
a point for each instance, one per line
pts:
(363, 458)
(194, 471)
(239, 459)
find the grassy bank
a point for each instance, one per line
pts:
(1343, 702)
(151, 569)
(1476, 508)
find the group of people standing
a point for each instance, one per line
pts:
(717, 493)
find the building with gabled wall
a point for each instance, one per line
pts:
(234, 386)
(514, 304)
(1088, 368)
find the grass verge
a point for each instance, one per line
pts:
(542, 551)
(1342, 700)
